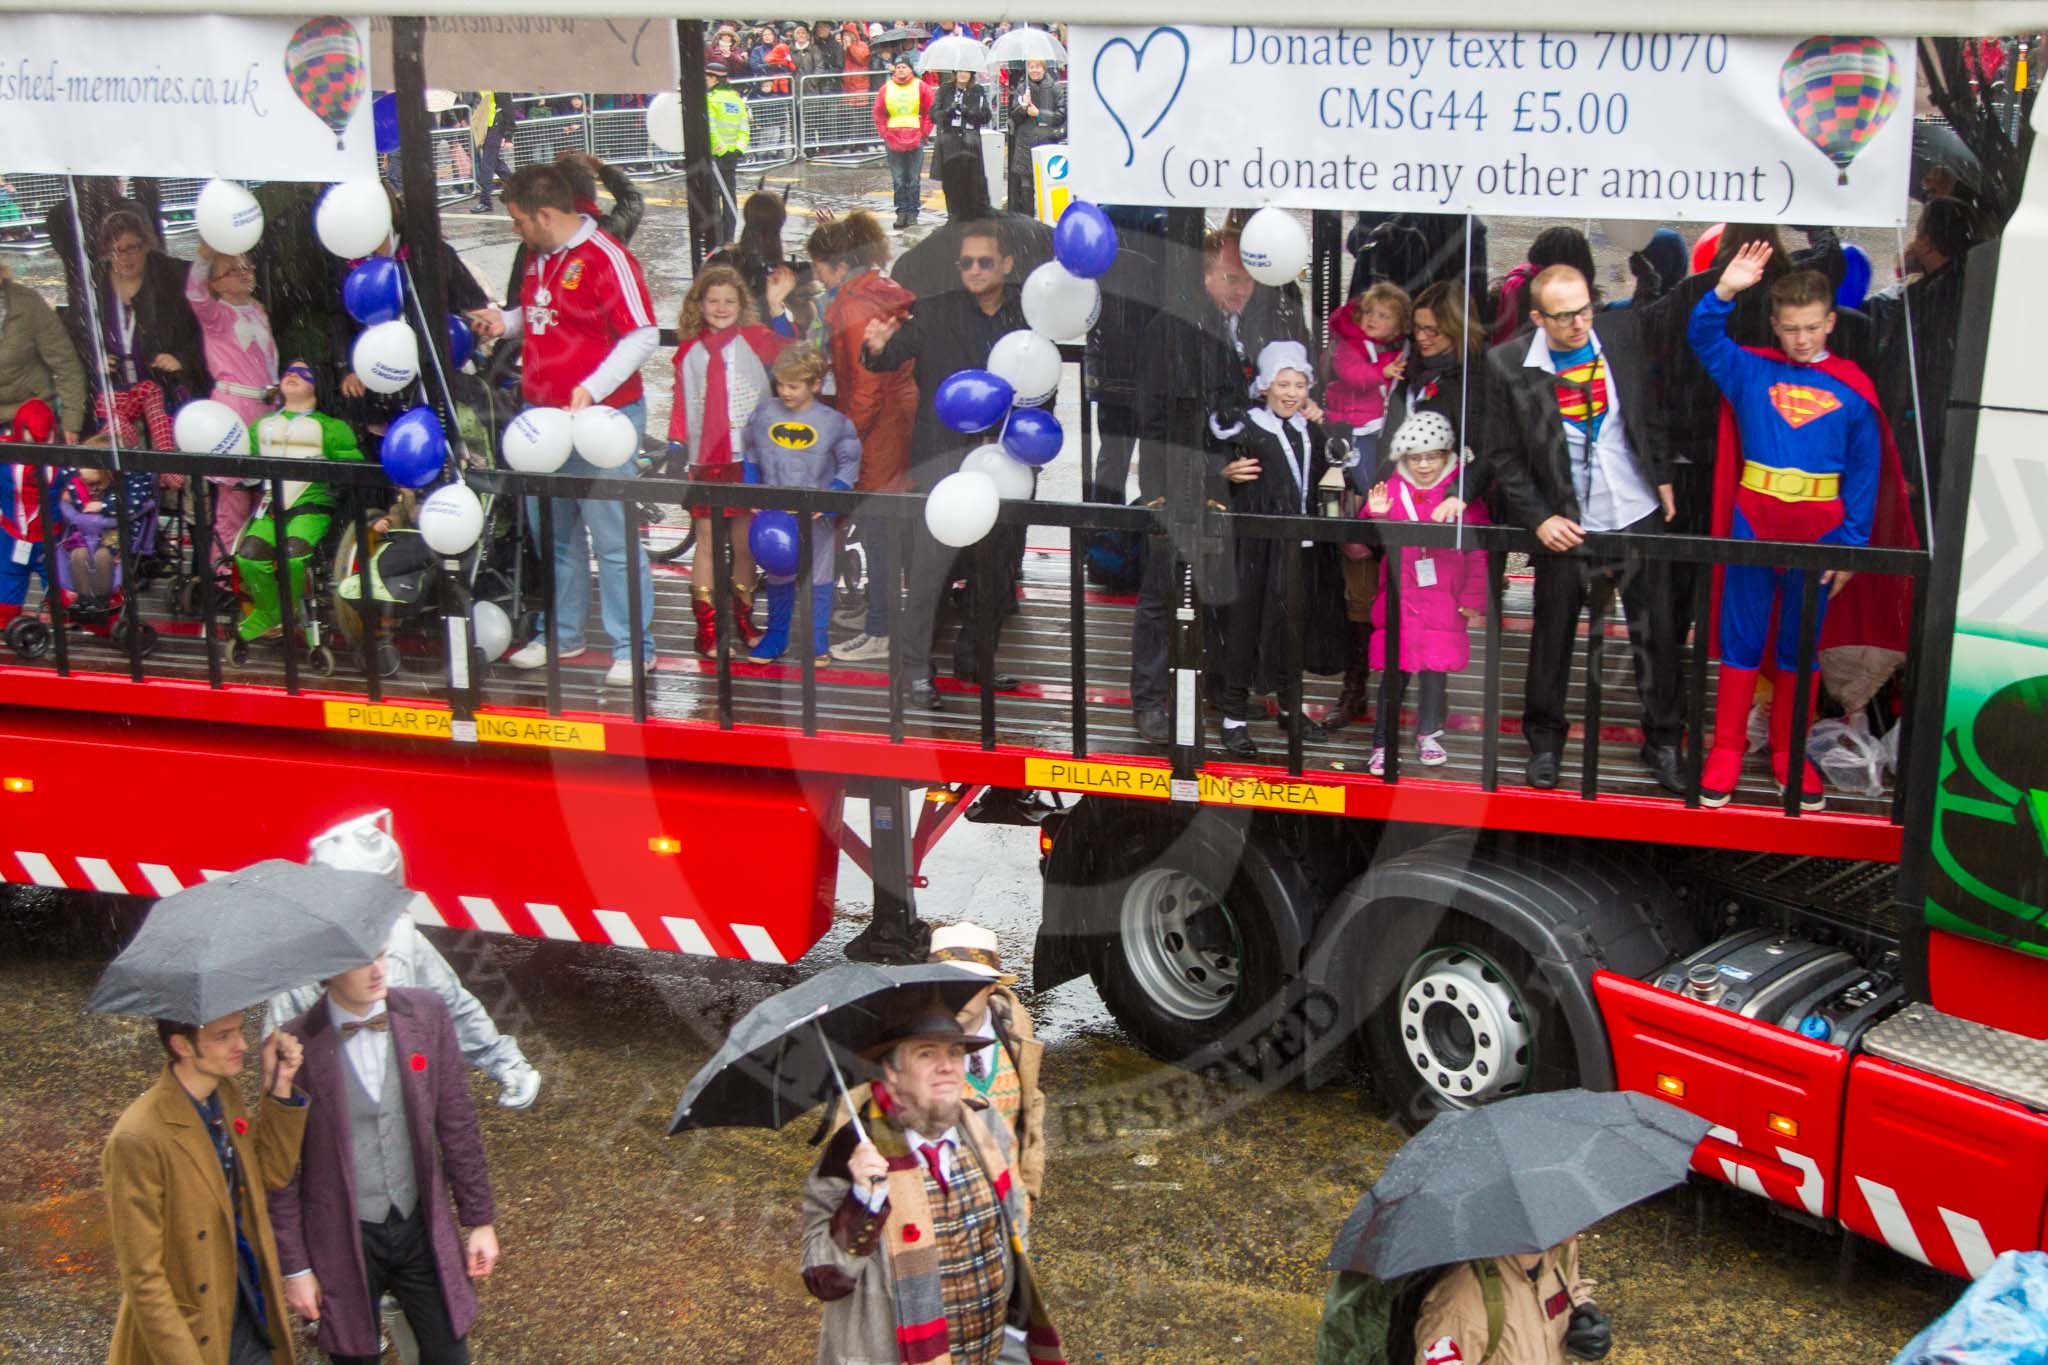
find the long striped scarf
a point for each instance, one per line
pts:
(914, 1255)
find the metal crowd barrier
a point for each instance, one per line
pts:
(837, 123)
(455, 159)
(537, 141)
(772, 139)
(618, 137)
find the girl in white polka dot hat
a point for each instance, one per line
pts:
(1442, 591)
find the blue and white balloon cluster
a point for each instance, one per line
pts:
(1061, 302)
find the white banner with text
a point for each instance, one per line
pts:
(1658, 126)
(186, 95)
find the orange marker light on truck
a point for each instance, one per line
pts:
(18, 785)
(1671, 1085)
(662, 843)
(1783, 1126)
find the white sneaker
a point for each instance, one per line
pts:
(854, 617)
(862, 649)
(620, 674)
(519, 1088)
(534, 654)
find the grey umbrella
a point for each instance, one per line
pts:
(779, 1060)
(1935, 144)
(224, 945)
(1515, 1178)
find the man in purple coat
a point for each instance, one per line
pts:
(395, 1136)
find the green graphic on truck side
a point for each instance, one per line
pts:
(1990, 873)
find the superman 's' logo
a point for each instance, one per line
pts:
(1799, 404)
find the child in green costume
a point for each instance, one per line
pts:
(295, 431)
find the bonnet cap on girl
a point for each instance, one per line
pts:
(1278, 356)
(1423, 431)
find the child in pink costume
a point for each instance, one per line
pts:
(1441, 590)
(241, 354)
(1368, 355)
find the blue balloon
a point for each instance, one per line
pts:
(1033, 436)
(415, 448)
(972, 400)
(384, 120)
(461, 340)
(374, 291)
(1855, 284)
(1084, 241)
(772, 538)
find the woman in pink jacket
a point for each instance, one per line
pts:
(1441, 590)
(241, 355)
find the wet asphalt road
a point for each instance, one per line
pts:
(1181, 1223)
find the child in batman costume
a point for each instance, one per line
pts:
(795, 441)
(1805, 455)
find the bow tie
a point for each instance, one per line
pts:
(382, 1023)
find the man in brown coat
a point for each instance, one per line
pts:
(184, 1171)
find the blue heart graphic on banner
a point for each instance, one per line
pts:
(1140, 88)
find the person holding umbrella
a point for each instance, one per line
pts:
(1480, 1215)
(186, 1164)
(199, 1267)
(914, 1218)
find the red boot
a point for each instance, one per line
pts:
(743, 618)
(1811, 795)
(1723, 768)
(707, 626)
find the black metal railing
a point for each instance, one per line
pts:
(894, 517)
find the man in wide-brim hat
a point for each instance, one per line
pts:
(1005, 1075)
(915, 1219)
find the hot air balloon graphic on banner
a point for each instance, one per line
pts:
(324, 62)
(1838, 92)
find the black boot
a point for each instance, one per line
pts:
(1351, 703)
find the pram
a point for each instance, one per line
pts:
(88, 569)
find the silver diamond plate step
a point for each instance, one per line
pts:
(1962, 1050)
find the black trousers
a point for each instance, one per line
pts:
(1564, 585)
(1150, 680)
(728, 175)
(245, 1346)
(1431, 712)
(399, 1260)
(1116, 431)
(932, 570)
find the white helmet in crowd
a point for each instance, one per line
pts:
(363, 844)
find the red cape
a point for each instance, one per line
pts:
(1874, 609)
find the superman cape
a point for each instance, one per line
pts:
(1874, 609)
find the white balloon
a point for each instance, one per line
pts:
(228, 217)
(1630, 234)
(1060, 305)
(207, 427)
(386, 357)
(665, 122)
(354, 219)
(1273, 247)
(538, 440)
(1029, 363)
(1012, 477)
(604, 436)
(491, 627)
(961, 509)
(451, 519)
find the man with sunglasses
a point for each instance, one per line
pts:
(951, 331)
(1576, 439)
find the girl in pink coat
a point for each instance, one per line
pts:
(241, 355)
(1368, 355)
(1441, 590)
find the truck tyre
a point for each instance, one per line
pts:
(1470, 1022)
(1193, 957)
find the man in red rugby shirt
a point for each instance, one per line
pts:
(588, 325)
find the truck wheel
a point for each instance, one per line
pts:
(1467, 1025)
(1193, 952)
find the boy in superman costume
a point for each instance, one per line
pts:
(1805, 455)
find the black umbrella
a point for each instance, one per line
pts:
(1515, 1178)
(1938, 145)
(778, 1061)
(224, 945)
(896, 35)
